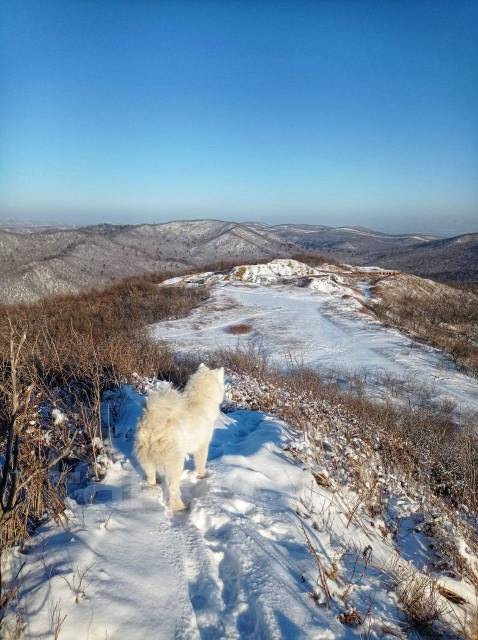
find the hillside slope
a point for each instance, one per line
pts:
(66, 261)
(449, 259)
(327, 318)
(276, 543)
(324, 515)
(346, 241)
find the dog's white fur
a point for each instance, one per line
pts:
(175, 424)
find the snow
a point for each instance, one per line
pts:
(320, 329)
(360, 232)
(331, 284)
(59, 417)
(235, 566)
(272, 272)
(469, 237)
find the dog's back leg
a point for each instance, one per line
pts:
(173, 466)
(200, 458)
(150, 471)
(149, 467)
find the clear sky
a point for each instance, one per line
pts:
(331, 112)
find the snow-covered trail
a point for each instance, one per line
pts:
(233, 566)
(301, 326)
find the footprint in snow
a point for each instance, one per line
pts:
(239, 506)
(207, 522)
(104, 576)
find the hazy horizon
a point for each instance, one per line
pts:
(338, 113)
(80, 221)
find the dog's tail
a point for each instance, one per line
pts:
(163, 407)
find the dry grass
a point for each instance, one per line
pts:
(98, 335)
(419, 597)
(422, 443)
(63, 352)
(443, 316)
(470, 629)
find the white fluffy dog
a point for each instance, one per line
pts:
(175, 424)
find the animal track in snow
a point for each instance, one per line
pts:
(239, 506)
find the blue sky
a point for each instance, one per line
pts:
(329, 112)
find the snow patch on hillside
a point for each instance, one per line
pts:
(271, 272)
(331, 284)
(318, 320)
(323, 279)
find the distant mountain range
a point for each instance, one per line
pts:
(445, 259)
(63, 260)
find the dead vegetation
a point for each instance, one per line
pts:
(313, 258)
(377, 451)
(445, 317)
(239, 329)
(419, 597)
(56, 358)
(422, 443)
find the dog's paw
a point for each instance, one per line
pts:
(177, 505)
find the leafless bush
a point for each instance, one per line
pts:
(249, 358)
(423, 443)
(418, 595)
(77, 582)
(25, 484)
(56, 621)
(239, 329)
(445, 317)
(313, 258)
(62, 353)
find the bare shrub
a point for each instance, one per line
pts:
(77, 582)
(239, 329)
(443, 316)
(249, 358)
(313, 258)
(423, 443)
(62, 353)
(418, 596)
(57, 620)
(26, 489)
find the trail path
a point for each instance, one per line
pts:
(231, 567)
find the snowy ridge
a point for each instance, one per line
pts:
(272, 272)
(325, 279)
(320, 320)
